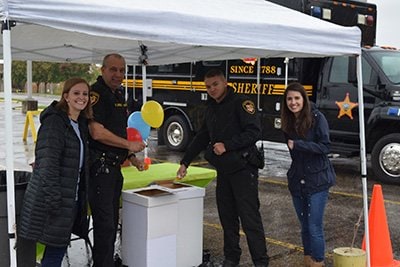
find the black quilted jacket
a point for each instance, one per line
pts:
(47, 214)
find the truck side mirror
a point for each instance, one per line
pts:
(380, 86)
(352, 71)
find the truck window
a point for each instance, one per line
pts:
(214, 63)
(389, 63)
(340, 69)
(165, 68)
(176, 69)
(369, 75)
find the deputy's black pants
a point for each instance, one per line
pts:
(104, 198)
(237, 199)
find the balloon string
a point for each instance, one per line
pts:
(145, 150)
(356, 226)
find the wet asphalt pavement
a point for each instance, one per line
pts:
(282, 229)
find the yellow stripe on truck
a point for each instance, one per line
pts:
(238, 87)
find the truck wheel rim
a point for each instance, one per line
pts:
(389, 159)
(175, 134)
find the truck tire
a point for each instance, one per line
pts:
(385, 159)
(176, 133)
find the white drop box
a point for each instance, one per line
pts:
(149, 227)
(162, 225)
(190, 223)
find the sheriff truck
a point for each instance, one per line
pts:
(331, 84)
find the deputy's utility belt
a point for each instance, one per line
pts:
(103, 161)
(108, 158)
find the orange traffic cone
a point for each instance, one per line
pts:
(381, 253)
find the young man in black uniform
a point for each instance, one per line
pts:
(109, 148)
(229, 134)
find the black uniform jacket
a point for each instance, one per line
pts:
(47, 214)
(235, 123)
(109, 109)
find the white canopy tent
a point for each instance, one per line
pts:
(173, 31)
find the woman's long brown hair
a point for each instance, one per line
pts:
(63, 105)
(301, 124)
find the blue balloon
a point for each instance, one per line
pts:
(136, 121)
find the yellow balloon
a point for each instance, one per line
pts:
(152, 113)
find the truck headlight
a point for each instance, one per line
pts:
(395, 95)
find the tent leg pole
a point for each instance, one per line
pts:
(9, 143)
(363, 157)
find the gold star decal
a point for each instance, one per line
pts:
(346, 106)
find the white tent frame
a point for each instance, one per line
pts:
(9, 146)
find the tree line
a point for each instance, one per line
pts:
(48, 72)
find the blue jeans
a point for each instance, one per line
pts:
(53, 256)
(310, 211)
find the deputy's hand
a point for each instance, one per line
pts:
(182, 171)
(219, 148)
(139, 164)
(136, 146)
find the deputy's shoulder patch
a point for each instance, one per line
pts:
(249, 107)
(94, 98)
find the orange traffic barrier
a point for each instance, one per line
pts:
(381, 253)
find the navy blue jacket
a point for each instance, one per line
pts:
(311, 171)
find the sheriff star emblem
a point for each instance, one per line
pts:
(248, 106)
(346, 106)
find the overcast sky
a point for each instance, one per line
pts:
(388, 22)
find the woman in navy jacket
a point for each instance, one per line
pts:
(311, 173)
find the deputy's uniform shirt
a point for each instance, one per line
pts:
(109, 109)
(233, 122)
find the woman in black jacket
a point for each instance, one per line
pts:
(311, 173)
(55, 202)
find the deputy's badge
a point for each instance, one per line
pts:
(94, 98)
(248, 106)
